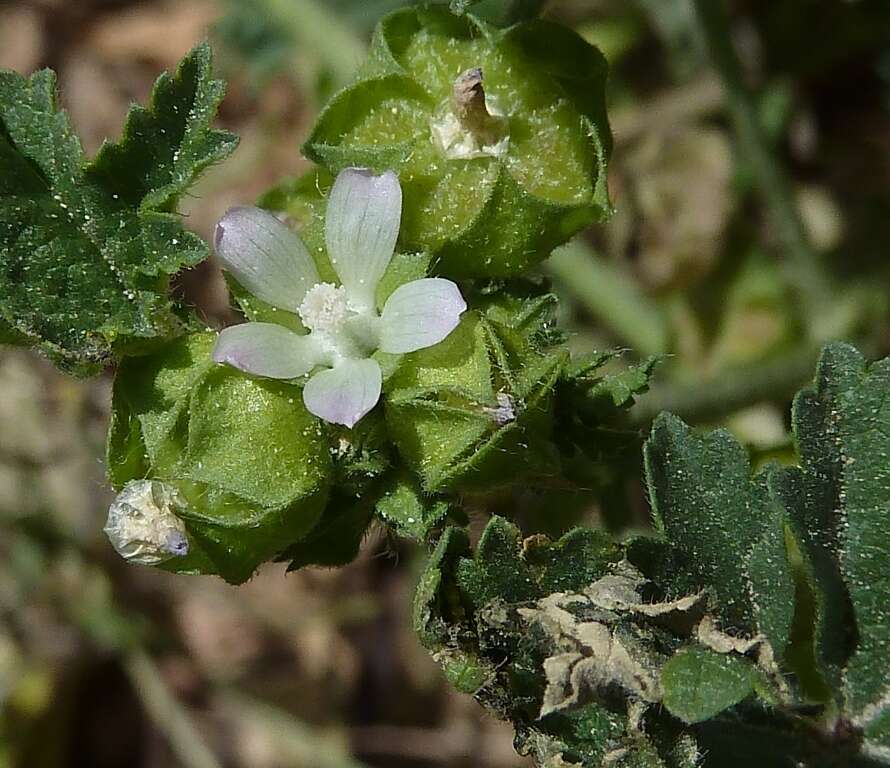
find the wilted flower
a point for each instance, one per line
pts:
(142, 525)
(272, 263)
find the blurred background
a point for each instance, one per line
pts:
(752, 224)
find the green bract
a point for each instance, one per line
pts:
(252, 465)
(496, 172)
(87, 248)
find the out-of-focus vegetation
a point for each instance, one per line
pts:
(752, 189)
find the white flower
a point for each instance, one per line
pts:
(271, 262)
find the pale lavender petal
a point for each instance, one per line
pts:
(345, 393)
(266, 349)
(361, 228)
(265, 257)
(419, 314)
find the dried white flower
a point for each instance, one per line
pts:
(142, 526)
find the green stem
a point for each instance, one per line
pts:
(729, 391)
(167, 713)
(805, 272)
(611, 296)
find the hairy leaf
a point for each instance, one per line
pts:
(699, 683)
(87, 249)
(839, 501)
(726, 531)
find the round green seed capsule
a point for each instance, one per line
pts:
(499, 137)
(235, 466)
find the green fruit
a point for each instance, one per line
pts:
(498, 167)
(252, 465)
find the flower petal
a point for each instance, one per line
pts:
(419, 314)
(264, 256)
(345, 393)
(266, 349)
(361, 227)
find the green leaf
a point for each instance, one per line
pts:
(252, 463)
(465, 609)
(498, 571)
(726, 531)
(496, 214)
(87, 249)
(700, 683)
(166, 145)
(563, 639)
(839, 501)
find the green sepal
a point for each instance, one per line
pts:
(523, 306)
(598, 394)
(500, 12)
(483, 216)
(325, 144)
(436, 600)
(592, 404)
(475, 411)
(405, 509)
(258, 311)
(252, 463)
(87, 249)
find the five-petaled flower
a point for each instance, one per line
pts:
(345, 328)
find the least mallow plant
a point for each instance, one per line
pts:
(750, 627)
(344, 327)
